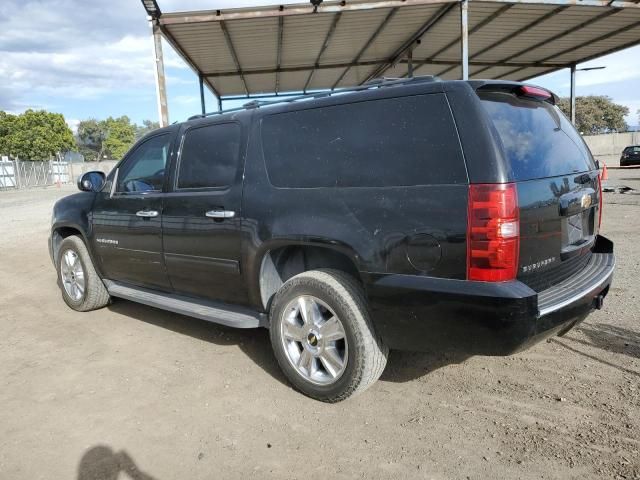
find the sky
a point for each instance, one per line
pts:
(84, 59)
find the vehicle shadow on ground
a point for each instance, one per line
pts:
(255, 343)
(408, 366)
(610, 338)
(102, 463)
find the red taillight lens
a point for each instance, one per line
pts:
(493, 234)
(534, 92)
(599, 202)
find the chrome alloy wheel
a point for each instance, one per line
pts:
(72, 275)
(314, 340)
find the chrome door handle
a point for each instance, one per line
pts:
(220, 214)
(147, 213)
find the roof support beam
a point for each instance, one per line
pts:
(234, 55)
(572, 101)
(408, 44)
(464, 39)
(367, 44)
(367, 63)
(161, 86)
(279, 52)
(332, 29)
(268, 12)
(501, 41)
(549, 41)
(202, 104)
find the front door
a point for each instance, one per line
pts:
(202, 214)
(127, 217)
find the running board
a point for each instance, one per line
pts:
(216, 312)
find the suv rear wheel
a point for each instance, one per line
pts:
(323, 337)
(81, 286)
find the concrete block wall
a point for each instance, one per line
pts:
(77, 169)
(608, 147)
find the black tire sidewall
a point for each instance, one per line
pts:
(324, 292)
(68, 246)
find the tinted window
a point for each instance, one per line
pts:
(537, 138)
(209, 156)
(144, 169)
(632, 150)
(397, 141)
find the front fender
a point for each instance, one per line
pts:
(72, 214)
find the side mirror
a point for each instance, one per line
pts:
(92, 181)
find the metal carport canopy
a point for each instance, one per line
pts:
(289, 48)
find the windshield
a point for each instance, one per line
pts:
(537, 139)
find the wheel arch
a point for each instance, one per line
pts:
(61, 231)
(282, 260)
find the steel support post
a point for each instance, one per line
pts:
(464, 38)
(161, 87)
(202, 104)
(219, 103)
(573, 94)
(410, 63)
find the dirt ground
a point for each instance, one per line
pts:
(133, 392)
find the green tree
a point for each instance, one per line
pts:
(110, 138)
(596, 114)
(91, 135)
(6, 127)
(146, 127)
(121, 134)
(36, 135)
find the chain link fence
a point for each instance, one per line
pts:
(26, 174)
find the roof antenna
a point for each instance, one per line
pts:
(316, 4)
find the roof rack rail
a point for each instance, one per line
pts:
(374, 83)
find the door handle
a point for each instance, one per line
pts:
(220, 214)
(147, 213)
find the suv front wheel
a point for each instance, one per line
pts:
(323, 337)
(82, 288)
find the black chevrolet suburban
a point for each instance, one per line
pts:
(406, 214)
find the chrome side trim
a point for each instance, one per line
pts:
(216, 312)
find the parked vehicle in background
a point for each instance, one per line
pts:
(414, 214)
(630, 156)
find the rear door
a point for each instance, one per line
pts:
(202, 214)
(557, 183)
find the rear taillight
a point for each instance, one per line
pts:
(599, 201)
(493, 233)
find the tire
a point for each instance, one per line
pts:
(94, 295)
(321, 360)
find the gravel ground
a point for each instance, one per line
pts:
(133, 392)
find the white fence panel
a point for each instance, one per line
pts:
(8, 175)
(24, 174)
(60, 172)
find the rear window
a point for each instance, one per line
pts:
(632, 150)
(209, 156)
(537, 138)
(390, 142)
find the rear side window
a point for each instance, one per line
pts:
(390, 142)
(537, 138)
(209, 156)
(632, 150)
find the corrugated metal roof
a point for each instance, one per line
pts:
(290, 48)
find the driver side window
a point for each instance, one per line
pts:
(144, 170)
